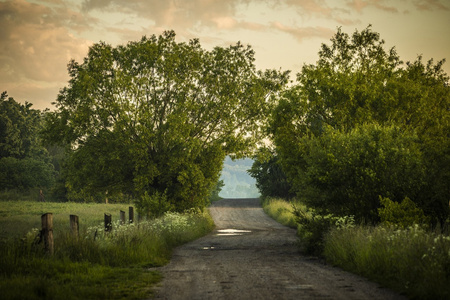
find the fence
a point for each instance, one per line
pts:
(46, 234)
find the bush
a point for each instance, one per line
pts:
(313, 227)
(344, 173)
(402, 214)
(154, 205)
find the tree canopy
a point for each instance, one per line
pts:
(361, 111)
(157, 116)
(24, 162)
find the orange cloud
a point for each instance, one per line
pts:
(302, 33)
(37, 43)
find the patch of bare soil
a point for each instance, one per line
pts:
(250, 256)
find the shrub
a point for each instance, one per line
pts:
(402, 214)
(344, 173)
(313, 227)
(154, 205)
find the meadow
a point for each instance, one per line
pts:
(97, 264)
(413, 261)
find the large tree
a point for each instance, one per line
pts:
(355, 82)
(158, 117)
(24, 162)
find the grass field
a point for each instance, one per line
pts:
(97, 264)
(19, 217)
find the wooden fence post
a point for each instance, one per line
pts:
(47, 232)
(108, 223)
(122, 217)
(131, 214)
(74, 226)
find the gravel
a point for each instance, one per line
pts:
(250, 256)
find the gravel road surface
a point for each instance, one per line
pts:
(250, 256)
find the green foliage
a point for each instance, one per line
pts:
(214, 196)
(25, 173)
(281, 210)
(154, 205)
(311, 230)
(404, 214)
(158, 116)
(344, 173)
(24, 162)
(270, 178)
(411, 261)
(360, 95)
(19, 124)
(68, 280)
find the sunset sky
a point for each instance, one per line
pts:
(39, 37)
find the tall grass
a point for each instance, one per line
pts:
(281, 210)
(97, 264)
(412, 261)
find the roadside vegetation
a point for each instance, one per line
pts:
(97, 264)
(410, 259)
(281, 210)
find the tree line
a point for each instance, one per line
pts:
(153, 121)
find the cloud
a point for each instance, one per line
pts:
(171, 13)
(95, 4)
(311, 7)
(37, 41)
(321, 9)
(302, 33)
(430, 5)
(360, 5)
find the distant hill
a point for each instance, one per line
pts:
(238, 183)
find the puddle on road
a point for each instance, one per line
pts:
(208, 248)
(230, 232)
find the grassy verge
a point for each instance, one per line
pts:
(412, 261)
(281, 210)
(97, 264)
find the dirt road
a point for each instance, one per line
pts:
(250, 256)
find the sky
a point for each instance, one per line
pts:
(39, 37)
